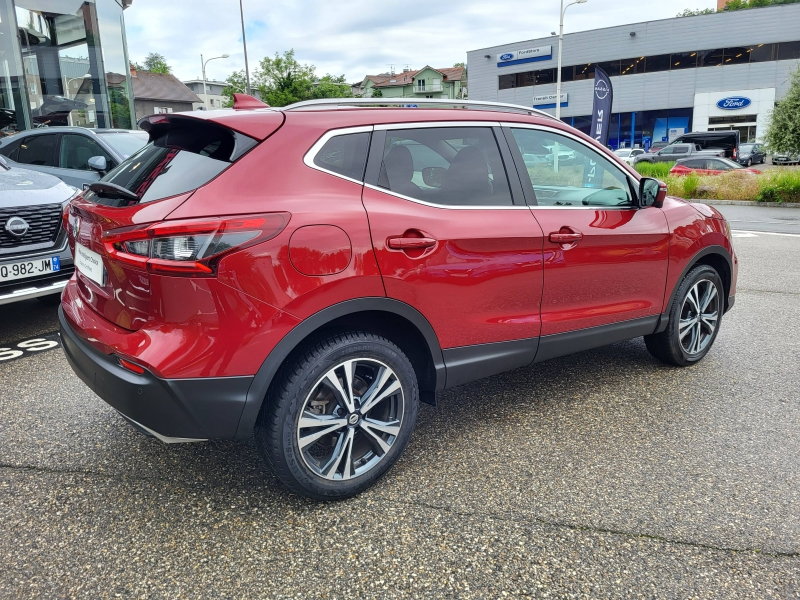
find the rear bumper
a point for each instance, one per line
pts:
(173, 410)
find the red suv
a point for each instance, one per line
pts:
(308, 274)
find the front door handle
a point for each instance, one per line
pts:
(566, 235)
(410, 243)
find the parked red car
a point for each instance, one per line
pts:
(709, 166)
(309, 274)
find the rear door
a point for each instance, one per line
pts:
(453, 237)
(38, 152)
(605, 259)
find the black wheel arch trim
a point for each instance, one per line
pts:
(715, 249)
(263, 378)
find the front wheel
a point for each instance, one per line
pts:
(694, 319)
(339, 416)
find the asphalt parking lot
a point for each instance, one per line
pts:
(603, 474)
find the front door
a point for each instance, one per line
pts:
(448, 237)
(605, 259)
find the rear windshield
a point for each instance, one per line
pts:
(125, 143)
(179, 159)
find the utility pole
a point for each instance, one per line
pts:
(244, 42)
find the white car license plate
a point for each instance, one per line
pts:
(90, 264)
(29, 268)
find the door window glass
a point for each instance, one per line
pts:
(38, 150)
(345, 155)
(76, 150)
(667, 150)
(458, 166)
(580, 176)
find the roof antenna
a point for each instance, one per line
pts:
(391, 69)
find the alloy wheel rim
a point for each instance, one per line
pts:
(350, 419)
(699, 317)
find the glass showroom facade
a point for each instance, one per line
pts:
(63, 62)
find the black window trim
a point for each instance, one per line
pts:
(375, 157)
(527, 186)
(309, 156)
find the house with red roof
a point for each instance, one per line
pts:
(424, 83)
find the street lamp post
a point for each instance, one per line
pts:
(244, 43)
(204, 63)
(560, 38)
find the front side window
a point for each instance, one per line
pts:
(344, 154)
(579, 177)
(38, 150)
(76, 150)
(455, 166)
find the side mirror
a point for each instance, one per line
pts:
(98, 163)
(652, 192)
(433, 176)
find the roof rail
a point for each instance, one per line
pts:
(335, 103)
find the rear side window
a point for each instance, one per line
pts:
(456, 166)
(345, 154)
(694, 164)
(38, 150)
(180, 158)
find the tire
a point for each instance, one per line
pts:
(687, 339)
(363, 440)
(749, 162)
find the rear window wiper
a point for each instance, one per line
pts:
(105, 188)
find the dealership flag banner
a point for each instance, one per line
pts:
(601, 106)
(601, 119)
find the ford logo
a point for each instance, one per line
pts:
(733, 103)
(506, 56)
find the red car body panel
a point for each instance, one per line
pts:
(680, 170)
(482, 280)
(491, 275)
(615, 273)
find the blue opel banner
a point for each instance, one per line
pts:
(601, 106)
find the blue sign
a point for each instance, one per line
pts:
(733, 103)
(526, 55)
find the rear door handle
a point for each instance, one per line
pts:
(565, 237)
(410, 243)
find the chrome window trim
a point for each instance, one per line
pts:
(431, 124)
(631, 180)
(444, 206)
(309, 156)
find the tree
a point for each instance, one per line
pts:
(282, 80)
(783, 132)
(460, 64)
(237, 84)
(156, 63)
(688, 12)
(376, 92)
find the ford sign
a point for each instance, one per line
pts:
(733, 103)
(506, 56)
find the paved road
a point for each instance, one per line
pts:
(604, 474)
(762, 218)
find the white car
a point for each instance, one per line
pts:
(629, 154)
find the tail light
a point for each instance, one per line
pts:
(192, 246)
(735, 153)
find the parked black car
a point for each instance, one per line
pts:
(35, 260)
(751, 154)
(727, 140)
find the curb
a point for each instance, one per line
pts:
(748, 203)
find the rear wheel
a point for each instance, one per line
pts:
(339, 416)
(694, 319)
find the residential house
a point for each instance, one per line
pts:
(424, 83)
(213, 94)
(160, 93)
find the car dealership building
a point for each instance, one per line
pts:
(63, 62)
(708, 72)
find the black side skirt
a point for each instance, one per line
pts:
(470, 363)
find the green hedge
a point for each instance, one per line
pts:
(659, 170)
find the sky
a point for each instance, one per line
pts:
(359, 37)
